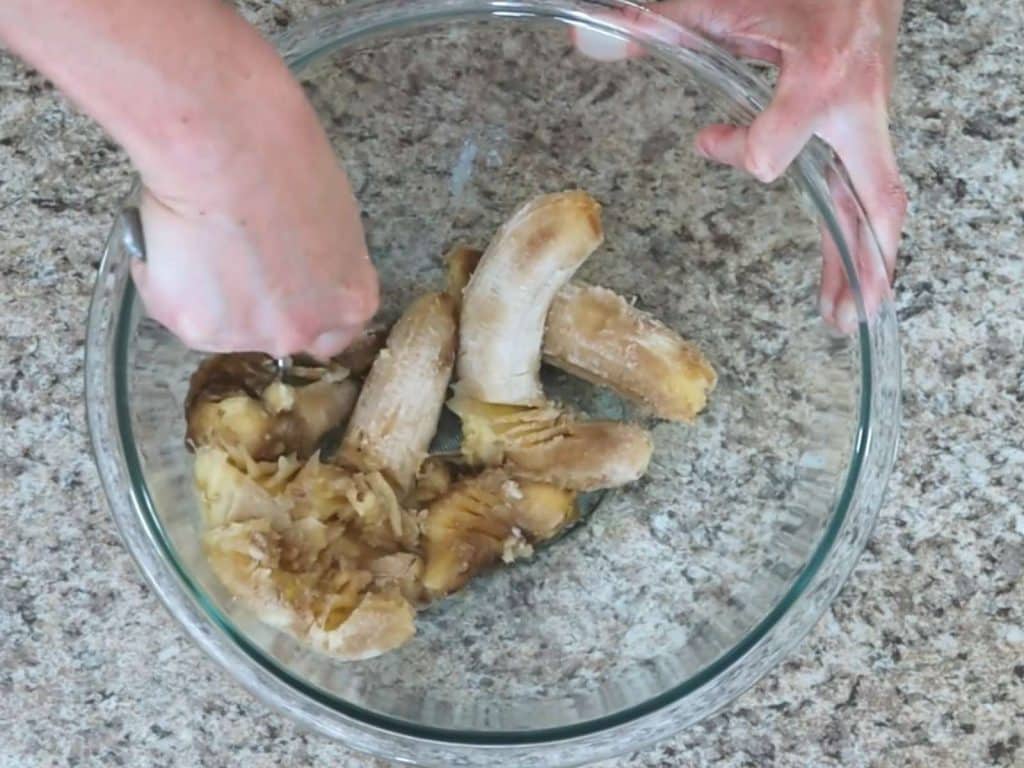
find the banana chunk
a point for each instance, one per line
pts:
(237, 402)
(597, 335)
(381, 622)
(333, 577)
(546, 444)
(396, 415)
(335, 614)
(506, 302)
(485, 519)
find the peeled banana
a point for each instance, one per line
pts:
(396, 415)
(487, 518)
(545, 443)
(505, 304)
(597, 335)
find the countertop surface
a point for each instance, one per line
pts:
(919, 662)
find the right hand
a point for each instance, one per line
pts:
(271, 259)
(836, 68)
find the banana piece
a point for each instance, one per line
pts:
(335, 614)
(396, 415)
(381, 622)
(593, 455)
(365, 501)
(546, 444)
(597, 335)
(402, 571)
(229, 495)
(485, 519)
(490, 430)
(505, 304)
(237, 402)
(433, 479)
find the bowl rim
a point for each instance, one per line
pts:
(120, 466)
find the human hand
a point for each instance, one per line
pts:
(253, 237)
(836, 67)
(271, 259)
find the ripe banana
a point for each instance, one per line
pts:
(505, 304)
(396, 415)
(237, 402)
(487, 518)
(597, 335)
(600, 337)
(544, 443)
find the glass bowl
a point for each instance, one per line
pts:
(675, 594)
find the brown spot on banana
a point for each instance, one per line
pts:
(487, 518)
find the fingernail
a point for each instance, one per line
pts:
(600, 46)
(764, 174)
(846, 316)
(330, 343)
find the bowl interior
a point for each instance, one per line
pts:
(445, 129)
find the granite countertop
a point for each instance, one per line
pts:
(919, 662)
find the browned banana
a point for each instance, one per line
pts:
(487, 518)
(543, 443)
(396, 415)
(597, 335)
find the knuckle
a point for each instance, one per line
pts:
(828, 66)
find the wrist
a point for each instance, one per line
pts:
(229, 138)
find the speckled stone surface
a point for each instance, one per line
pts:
(919, 662)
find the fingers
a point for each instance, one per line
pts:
(861, 138)
(832, 278)
(726, 144)
(765, 149)
(220, 288)
(778, 134)
(836, 298)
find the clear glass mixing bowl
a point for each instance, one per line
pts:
(675, 594)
